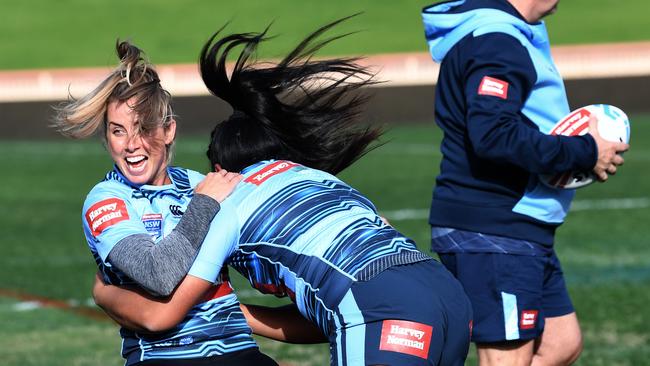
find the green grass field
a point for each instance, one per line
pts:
(605, 250)
(72, 33)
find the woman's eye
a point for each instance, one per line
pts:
(118, 132)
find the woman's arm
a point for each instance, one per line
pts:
(159, 267)
(283, 323)
(137, 310)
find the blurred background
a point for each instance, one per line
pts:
(49, 49)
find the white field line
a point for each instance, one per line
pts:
(578, 205)
(611, 204)
(34, 305)
(26, 306)
(89, 302)
(421, 214)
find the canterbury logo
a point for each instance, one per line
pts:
(176, 210)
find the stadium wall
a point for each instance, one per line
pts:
(617, 74)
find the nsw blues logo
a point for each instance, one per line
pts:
(153, 224)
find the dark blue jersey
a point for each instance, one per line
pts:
(497, 98)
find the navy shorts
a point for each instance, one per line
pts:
(511, 294)
(247, 357)
(415, 314)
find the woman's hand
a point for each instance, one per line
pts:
(218, 185)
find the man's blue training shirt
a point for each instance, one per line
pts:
(498, 89)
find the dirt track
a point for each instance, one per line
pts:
(617, 74)
(388, 105)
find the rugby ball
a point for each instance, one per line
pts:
(613, 125)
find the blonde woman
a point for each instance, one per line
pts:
(145, 221)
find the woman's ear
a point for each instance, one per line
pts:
(217, 167)
(170, 132)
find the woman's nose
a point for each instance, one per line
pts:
(134, 142)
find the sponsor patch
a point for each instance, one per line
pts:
(106, 213)
(276, 168)
(493, 87)
(406, 337)
(528, 319)
(153, 224)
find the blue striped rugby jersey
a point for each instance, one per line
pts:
(114, 209)
(303, 233)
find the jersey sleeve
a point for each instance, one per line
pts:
(219, 243)
(499, 77)
(108, 217)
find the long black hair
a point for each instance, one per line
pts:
(299, 109)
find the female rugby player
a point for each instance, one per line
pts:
(294, 229)
(145, 221)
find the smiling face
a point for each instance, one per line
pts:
(141, 159)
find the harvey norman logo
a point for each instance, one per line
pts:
(493, 87)
(269, 171)
(406, 337)
(528, 319)
(106, 213)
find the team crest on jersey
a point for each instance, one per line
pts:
(278, 167)
(528, 319)
(106, 213)
(406, 337)
(493, 87)
(153, 224)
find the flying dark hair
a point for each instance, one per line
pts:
(300, 109)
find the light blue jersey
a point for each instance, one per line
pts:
(115, 209)
(300, 232)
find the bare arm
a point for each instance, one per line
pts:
(283, 323)
(137, 310)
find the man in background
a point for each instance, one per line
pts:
(493, 222)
